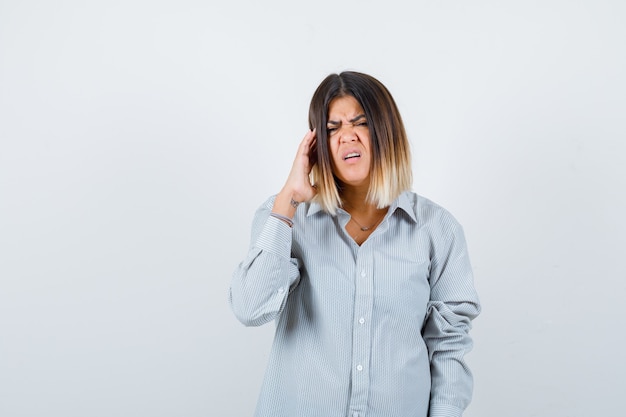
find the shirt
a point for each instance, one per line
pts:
(377, 330)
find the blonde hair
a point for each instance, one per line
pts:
(390, 172)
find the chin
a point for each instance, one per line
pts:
(355, 182)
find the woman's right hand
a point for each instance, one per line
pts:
(298, 188)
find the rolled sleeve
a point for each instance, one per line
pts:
(452, 307)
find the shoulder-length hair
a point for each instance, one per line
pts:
(390, 171)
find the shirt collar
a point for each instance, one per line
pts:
(313, 208)
(403, 202)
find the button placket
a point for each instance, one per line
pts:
(361, 330)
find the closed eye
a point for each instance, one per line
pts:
(358, 121)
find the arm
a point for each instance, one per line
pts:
(453, 305)
(263, 280)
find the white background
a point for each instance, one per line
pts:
(138, 137)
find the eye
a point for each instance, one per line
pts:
(361, 123)
(331, 130)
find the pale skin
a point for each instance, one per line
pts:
(349, 144)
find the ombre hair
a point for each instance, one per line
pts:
(390, 170)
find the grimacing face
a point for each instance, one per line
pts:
(349, 141)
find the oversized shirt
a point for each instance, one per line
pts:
(376, 330)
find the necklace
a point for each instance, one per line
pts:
(366, 228)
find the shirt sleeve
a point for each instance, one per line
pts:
(453, 305)
(262, 281)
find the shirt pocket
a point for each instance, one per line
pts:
(401, 288)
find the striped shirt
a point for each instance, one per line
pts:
(377, 330)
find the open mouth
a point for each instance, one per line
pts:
(351, 155)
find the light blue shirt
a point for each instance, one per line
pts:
(377, 330)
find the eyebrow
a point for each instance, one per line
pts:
(360, 116)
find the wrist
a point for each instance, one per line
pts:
(286, 203)
(282, 218)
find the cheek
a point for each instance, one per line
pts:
(364, 142)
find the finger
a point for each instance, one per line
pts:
(305, 139)
(310, 136)
(312, 140)
(313, 137)
(313, 146)
(306, 144)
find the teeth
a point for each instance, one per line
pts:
(352, 155)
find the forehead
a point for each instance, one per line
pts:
(345, 107)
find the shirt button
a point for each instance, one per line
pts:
(361, 320)
(359, 367)
(281, 290)
(363, 273)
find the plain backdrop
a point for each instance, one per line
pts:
(138, 137)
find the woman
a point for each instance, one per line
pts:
(370, 284)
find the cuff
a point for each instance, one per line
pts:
(275, 237)
(444, 410)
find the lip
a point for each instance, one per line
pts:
(349, 152)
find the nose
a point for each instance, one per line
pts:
(347, 134)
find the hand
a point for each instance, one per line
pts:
(298, 185)
(298, 181)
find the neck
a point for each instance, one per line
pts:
(354, 197)
(364, 216)
(355, 202)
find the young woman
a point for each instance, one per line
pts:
(370, 284)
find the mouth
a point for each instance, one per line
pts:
(351, 155)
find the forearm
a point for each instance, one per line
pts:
(452, 307)
(286, 203)
(261, 282)
(448, 340)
